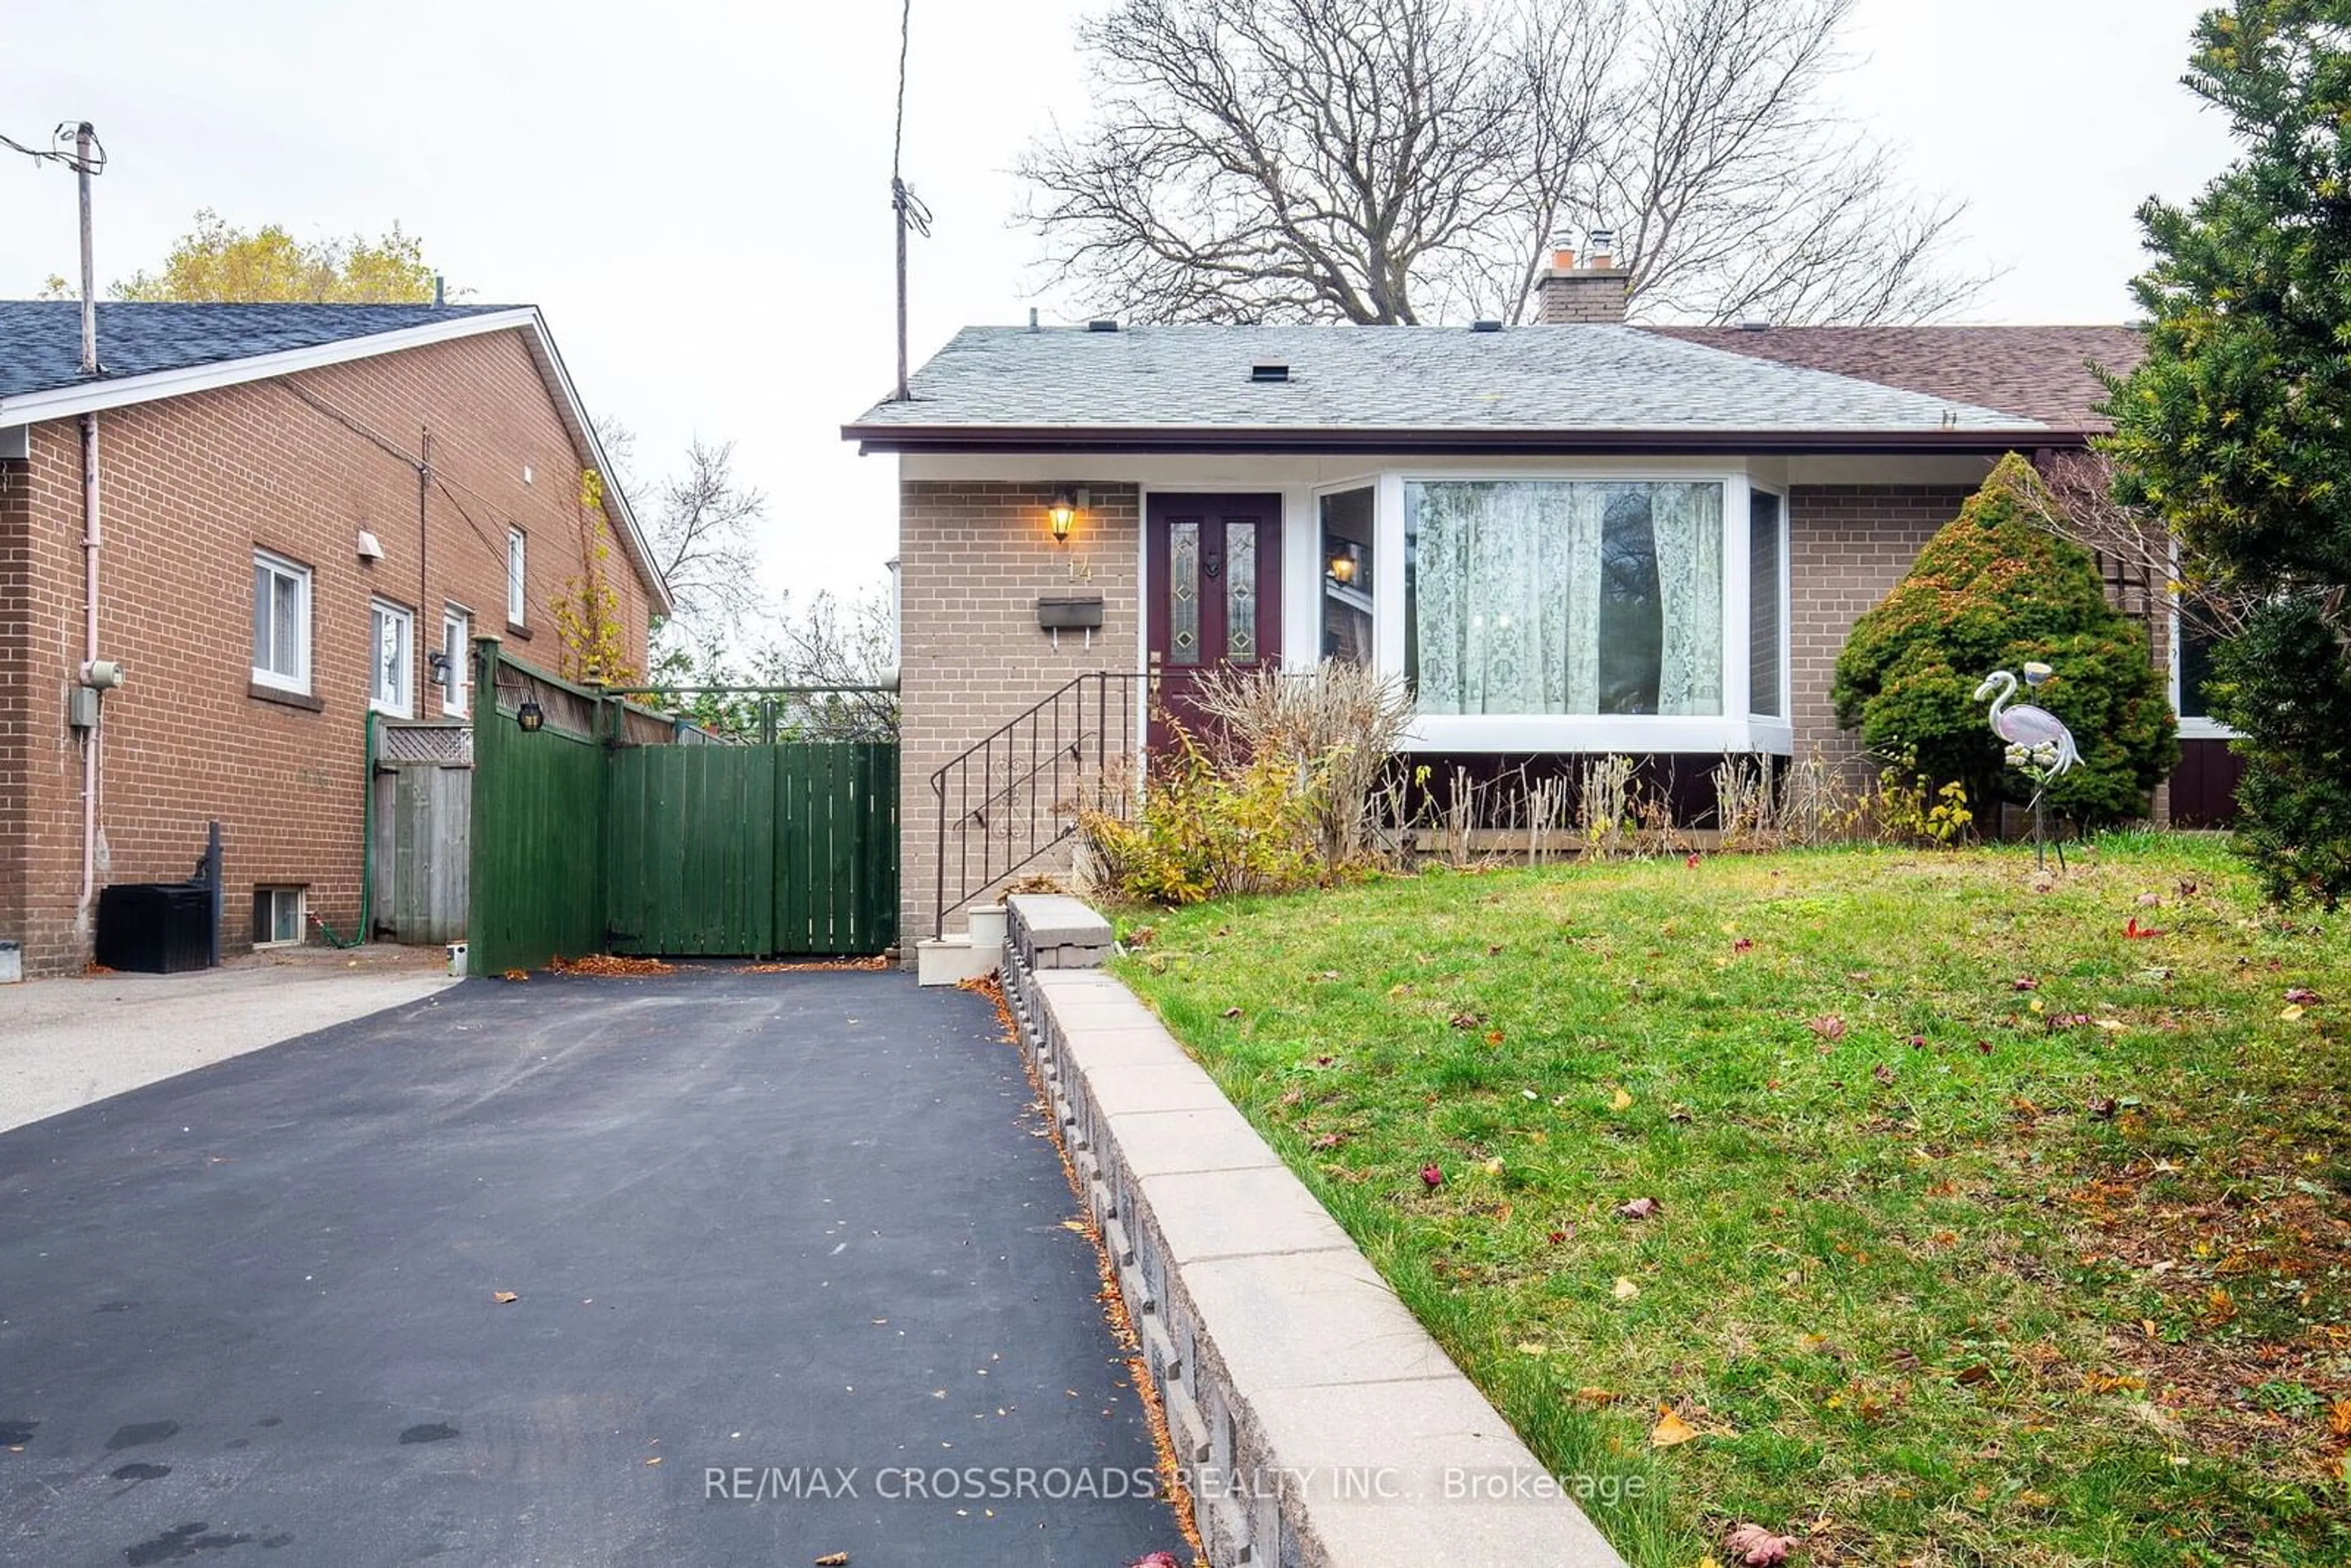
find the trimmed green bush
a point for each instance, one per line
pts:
(1991, 591)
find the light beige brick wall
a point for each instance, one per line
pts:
(1848, 545)
(972, 559)
(190, 486)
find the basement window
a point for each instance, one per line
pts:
(277, 916)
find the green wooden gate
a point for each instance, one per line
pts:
(790, 848)
(583, 845)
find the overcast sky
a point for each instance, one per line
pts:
(696, 192)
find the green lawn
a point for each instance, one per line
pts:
(1985, 1233)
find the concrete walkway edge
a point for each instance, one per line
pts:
(1320, 1422)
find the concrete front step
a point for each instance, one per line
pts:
(951, 959)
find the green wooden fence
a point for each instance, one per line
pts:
(584, 846)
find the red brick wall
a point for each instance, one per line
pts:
(972, 559)
(190, 488)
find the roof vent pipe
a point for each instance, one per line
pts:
(1268, 372)
(1102, 324)
(1486, 326)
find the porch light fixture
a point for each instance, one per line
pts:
(1063, 514)
(529, 717)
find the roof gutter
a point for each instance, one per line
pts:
(1056, 439)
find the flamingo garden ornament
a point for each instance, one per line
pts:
(2039, 745)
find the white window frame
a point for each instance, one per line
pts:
(458, 619)
(2199, 727)
(518, 576)
(1785, 720)
(298, 683)
(1732, 730)
(401, 704)
(301, 897)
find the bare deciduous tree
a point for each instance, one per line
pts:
(1400, 160)
(701, 522)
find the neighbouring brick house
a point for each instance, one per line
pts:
(1574, 536)
(305, 513)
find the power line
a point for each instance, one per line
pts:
(59, 151)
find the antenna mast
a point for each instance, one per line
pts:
(910, 212)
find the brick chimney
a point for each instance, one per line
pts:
(1589, 293)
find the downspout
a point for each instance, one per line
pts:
(367, 845)
(90, 737)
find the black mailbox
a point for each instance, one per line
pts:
(1070, 614)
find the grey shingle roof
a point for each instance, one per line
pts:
(40, 341)
(1395, 377)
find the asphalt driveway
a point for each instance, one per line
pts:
(790, 1279)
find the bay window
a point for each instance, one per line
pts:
(1767, 600)
(1346, 548)
(1527, 597)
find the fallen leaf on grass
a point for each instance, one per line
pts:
(1620, 1100)
(1639, 1208)
(1882, 1072)
(1829, 1027)
(2024, 983)
(1232, 1012)
(1591, 1396)
(1326, 1141)
(2290, 1013)
(1626, 1288)
(2136, 932)
(1493, 1037)
(1465, 1020)
(1431, 1176)
(2339, 1419)
(1530, 1348)
(1756, 1546)
(2302, 995)
(1670, 1430)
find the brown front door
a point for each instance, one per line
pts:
(1216, 595)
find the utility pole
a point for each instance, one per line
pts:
(85, 139)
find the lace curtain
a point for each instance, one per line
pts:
(1516, 585)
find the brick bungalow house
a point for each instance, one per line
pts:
(1574, 536)
(304, 513)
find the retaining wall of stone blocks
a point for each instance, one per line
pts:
(1321, 1425)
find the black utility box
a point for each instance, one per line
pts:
(155, 927)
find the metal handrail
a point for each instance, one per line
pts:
(1018, 815)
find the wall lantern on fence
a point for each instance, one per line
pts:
(529, 717)
(1062, 515)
